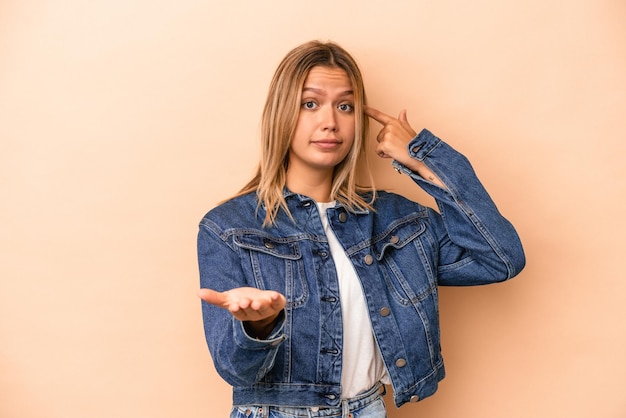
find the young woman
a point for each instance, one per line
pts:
(317, 292)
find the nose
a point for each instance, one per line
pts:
(329, 119)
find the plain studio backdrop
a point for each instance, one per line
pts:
(123, 122)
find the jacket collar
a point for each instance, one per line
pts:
(288, 195)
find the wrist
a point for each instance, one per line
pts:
(262, 328)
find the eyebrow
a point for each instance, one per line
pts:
(323, 93)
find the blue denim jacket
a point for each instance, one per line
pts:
(401, 252)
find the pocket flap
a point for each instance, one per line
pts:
(397, 236)
(279, 247)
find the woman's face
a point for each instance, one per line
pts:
(325, 129)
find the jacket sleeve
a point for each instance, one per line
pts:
(477, 245)
(240, 360)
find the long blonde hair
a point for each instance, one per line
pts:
(280, 116)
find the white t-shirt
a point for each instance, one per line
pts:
(362, 365)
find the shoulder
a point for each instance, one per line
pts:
(391, 208)
(238, 212)
(387, 200)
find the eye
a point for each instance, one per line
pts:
(309, 104)
(346, 107)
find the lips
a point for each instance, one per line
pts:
(327, 143)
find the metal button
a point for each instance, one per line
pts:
(414, 398)
(269, 245)
(394, 239)
(368, 259)
(385, 311)
(343, 217)
(401, 362)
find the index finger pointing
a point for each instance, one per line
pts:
(377, 115)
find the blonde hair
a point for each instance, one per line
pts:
(278, 124)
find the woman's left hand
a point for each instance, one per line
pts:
(393, 140)
(394, 136)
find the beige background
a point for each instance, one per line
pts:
(123, 122)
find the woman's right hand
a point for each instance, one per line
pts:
(258, 308)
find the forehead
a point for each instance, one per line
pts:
(327, 77)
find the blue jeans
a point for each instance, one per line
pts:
(369, 404)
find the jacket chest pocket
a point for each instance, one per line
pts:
(407, 255)
(274, 263)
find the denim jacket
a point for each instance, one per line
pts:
(401, 252)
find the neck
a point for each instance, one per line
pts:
(316, 186)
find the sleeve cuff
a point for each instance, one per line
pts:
(245, 341)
